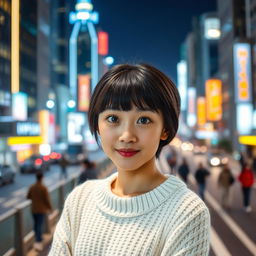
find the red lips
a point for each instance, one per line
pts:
(127, 152)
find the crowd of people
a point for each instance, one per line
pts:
(225, 180)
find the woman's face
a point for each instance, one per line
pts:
(130, 138)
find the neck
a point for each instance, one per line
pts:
(133, 183)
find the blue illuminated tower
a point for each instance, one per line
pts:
(86, 17)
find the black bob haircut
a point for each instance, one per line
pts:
(141, 85)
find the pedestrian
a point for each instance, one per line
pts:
(201, 174)
(63, 166)
(246, 179)
(40, 206)
(138, 210)
(225, 181)
(242, 159)
(172, 159)
(89, 171)
(184, 170)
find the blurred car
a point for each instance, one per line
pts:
(7, 174)
(53, 158)
(34, 164)
(217, 159)
(75, 153)
(200, 149)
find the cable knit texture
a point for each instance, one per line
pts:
(169, 220)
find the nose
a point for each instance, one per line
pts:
(127, 135)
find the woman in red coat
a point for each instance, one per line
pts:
(246, 179)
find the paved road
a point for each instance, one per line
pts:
(13, 194)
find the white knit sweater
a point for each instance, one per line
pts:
(169, 220)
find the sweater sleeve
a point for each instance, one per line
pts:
(191, 237)
(61, 244)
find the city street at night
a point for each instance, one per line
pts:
(106, 106)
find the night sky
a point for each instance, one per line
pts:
(149, 31)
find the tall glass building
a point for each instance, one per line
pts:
(5, 57)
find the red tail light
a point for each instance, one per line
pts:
(46, 158)
(38, 161)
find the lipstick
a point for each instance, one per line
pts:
(127, 152)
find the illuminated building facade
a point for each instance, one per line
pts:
(200, 63)
(5, 58)
(233, 30)
(28, 53)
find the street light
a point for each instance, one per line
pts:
(50, 104)
(109, 60)
(71, 104)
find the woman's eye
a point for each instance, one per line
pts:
(112, 119)
(144, 120)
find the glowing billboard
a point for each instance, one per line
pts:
(212, 28)
(191, 117)
(20, 106)
(213, 88)
(201, 111)
(244, 118)
(102, 43)
(83, 92)
(242, 72)
(44, 120)
(76, 122)
(182, 83)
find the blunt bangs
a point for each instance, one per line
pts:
(124, 92)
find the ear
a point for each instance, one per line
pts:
(164, 135)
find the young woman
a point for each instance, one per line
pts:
(138, 210)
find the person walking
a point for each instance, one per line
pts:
(89, 172)
(246, 180)
(184, 170)
(172, 159)
(225, 181)
(40, 206)
(201, 174)
(63, 165)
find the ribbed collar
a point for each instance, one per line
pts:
(136, 205)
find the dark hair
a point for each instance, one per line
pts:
(141, 85)
(88, 163)
(39, 176)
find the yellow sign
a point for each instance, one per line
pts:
(213, 99)
(201, 111)
(24, 140)
(247, 140)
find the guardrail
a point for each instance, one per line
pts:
(16, 226)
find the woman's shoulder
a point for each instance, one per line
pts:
(184, 198)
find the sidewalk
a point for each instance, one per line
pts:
(47, 239)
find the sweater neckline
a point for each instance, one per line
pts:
(133, 206)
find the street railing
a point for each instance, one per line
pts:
(16, 225)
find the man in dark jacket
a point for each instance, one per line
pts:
(184, 170)
(200, 175)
